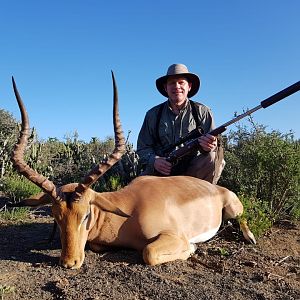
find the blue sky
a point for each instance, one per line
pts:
(61, 54)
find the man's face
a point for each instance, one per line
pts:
(178, 88)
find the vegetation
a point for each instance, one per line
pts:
(5, 289)
(17, 187)
(262, 168)
(8, 137)
(257, 214)
(15, 215)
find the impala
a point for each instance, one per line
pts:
(162, 217)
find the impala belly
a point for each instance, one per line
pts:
(205, 236)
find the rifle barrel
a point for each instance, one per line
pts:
(263, 104)
(280, 95)
(241, 116)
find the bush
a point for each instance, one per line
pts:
(15, 215)
(109, 183)
(8, 137)
(17, 188)
(264, 166)
(258, 215)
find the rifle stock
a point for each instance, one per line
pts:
(195, 133)
(192, 145)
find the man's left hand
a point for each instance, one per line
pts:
(208, 142)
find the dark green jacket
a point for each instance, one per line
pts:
(171, 128)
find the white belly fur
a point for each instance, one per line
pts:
(205, 236)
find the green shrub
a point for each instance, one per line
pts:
(17, 187)
(16, 214)
(258, 215)
(264, 166)
(108, 183)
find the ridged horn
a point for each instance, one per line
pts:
(18, 154)
(116, 155)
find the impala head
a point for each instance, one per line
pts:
(71, 203)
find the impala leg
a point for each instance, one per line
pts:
(234, 209)
(248, 235)
(167, 247)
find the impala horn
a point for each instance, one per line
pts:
(18, 154)
(116, 155)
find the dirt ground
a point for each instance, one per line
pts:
(223, 268)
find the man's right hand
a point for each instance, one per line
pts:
(162, 166)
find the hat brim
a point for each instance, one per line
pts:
(192, 78)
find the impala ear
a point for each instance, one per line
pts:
(108, 206)
(33, 201)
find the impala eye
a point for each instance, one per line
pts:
(86, 217)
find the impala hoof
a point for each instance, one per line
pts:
(250, 237)
(193, 248)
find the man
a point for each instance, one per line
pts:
(166, 123)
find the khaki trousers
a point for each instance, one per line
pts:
(205, 166)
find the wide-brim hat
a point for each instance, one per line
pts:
(175, 70)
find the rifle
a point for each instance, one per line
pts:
(192, 144)
(194, 134)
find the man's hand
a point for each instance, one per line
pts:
(162, 166)
(208, 142)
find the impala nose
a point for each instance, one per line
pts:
(70, 263)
